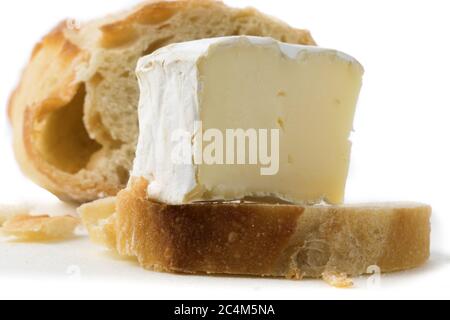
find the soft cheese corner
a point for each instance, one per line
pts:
(299, 100)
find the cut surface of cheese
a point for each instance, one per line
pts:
(237, 117)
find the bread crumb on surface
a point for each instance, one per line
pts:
(8, 211)
(40, 228)
(337, 280)
(99, 219)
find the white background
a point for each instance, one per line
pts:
(401, 149)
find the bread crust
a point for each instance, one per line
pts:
(268, 240)
(62, 72)
(48, 83)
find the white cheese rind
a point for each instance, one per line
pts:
(171, 87)
(162, 111)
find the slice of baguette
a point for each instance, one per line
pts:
(74, 111)
(261, 240)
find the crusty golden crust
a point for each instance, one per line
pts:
(61, 140)
(266, 240)
(48, 83)
(124, 31)
(9, 107)
(230, 238)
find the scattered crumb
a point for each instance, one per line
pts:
(337, 280)
(99, 219)
(9, 211)
(40, 228)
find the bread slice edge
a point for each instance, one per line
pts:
(262, 240)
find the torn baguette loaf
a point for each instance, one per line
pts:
(74, 111)
(260, 239)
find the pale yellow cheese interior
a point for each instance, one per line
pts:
(312, 101)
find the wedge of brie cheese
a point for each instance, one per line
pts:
(246, 117)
